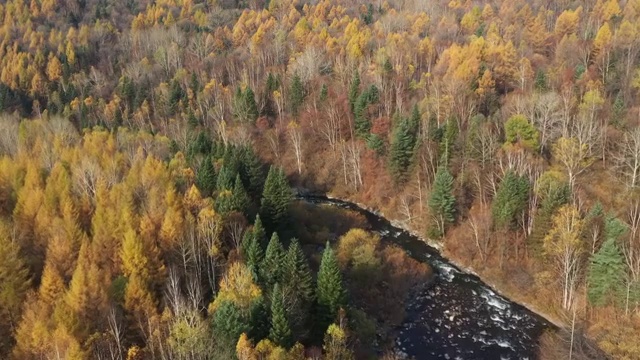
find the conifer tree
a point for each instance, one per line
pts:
(280, 332)
(240, 200)
(403, 145)
(225, 179)
(252, 173)
(324, 93)
(296, 94)
(272, 266)
(229, 323)
(442, 202)
(206, 177)
(511, 199)
(354, 90)
(251, 105)
(276, 198)
(259, 232)
(606, 273)
(298, 284)
(330, 292)
(361, 123)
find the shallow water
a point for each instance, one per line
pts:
(457, 316)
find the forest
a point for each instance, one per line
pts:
(149, 151)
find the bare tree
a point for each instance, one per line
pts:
(628, 160)
(547, 116)
(295, 134)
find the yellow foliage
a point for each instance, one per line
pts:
(237, 286)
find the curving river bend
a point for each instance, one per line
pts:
(457, 316)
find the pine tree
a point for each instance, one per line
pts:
(229, 323)
(240, 200)
(280, 332)
(324, 93)
(442, 202)
(272, 267)
(354, 90)
(606, 274)
(296, 94)
(259, 232)
(330, 292)
(403, 145)
(511, 199)
(206, 177)
(276, 198)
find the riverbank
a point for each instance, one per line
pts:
(489, 281)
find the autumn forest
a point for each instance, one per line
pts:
(151, 153)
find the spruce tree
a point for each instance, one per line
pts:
(206, 177)
(225, 179)
(280, 332)
(298, 283)
(606, 274)
(330, 293)
(511, 199)
(361, 122)
(240, 201)
(442, 202)
(250, 105)
(402, 146)
(252, 173)
(276, 199)
(229, 323)
(272, 266)
(296, 94)
(354, 90)
(324, 93)
(259, 232)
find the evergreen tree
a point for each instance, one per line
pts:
(442, 202)
(375, 143)
(176, 94)
(206, 177)
(296, 94)
(373, 94)
(252, 173)
(330, 293)
(298, 284)
(229, 323)
(402, 146)
(224, 202)
(541, 81)
(253, 254)
(280, 332)
(276, 198)
(225, 179)
(511, 199)
(240, 201)
(251, 105)
(449, 135)
(259, 232)
(361, 122)
(272, 267)
(606, 274)
(259, 315)
(354, 90)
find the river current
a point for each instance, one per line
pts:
(457, 316)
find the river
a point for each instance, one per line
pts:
(457, 316)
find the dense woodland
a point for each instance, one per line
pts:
(139, 217)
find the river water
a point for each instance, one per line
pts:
(457, 316)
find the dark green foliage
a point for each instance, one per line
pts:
(619, 109)
(296, 94)
(240, 200)
(192, 120)
(253, 244)
(541, 81)
(259, 233)
(176, 94)
(368, 16)
(280, 332)
(551, 200)
(375, 143)
(245, 107)
(330, 292)
(272, 83)
(252, 173)
(403, 145)
(606, 274)
(354, 90)
(442, 202)
(276, 199)
(448, 137)
(229, 323)
(259, 313)
(201, 145)
(362, 123)
(194, 84)
(388, 67)
(225, 179)
(272, 267)
(206, 177)
(224, 202)
(298, 285)
(510, 201)
(373, 94)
